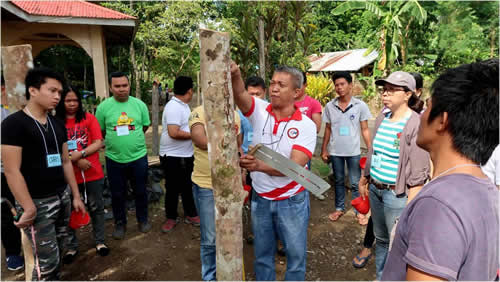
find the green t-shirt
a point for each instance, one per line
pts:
(123, 122)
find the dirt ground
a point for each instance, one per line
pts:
(176, 255)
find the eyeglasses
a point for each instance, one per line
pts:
(389, 91)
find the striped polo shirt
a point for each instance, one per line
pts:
(385, 159)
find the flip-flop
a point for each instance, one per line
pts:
(334, 216)
(362, 221)
(363, 260)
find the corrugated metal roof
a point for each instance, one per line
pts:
(349, 60)
(81, 9)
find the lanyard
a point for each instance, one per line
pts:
(37, 263)
(271, 133)
(41, 132)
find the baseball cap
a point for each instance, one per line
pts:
(399, 78)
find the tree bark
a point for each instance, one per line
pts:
(150, 58)
(155, 108)
(218, 103)
(143, 60)
(134, 64)
(262, 50)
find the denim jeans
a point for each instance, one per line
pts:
(354, 171)
(205, 205)
(386, 208)
(288, 220)
(95, 207)
(117, 175)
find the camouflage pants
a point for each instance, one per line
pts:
(51, 227)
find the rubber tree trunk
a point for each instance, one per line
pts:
(16, 61)
(155, 108)
(218, 103)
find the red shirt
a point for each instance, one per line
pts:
(85, 132)
(309, 106)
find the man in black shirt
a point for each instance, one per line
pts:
(38, 171)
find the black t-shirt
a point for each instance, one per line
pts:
(21, 130)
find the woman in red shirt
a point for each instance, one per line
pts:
(84, 142)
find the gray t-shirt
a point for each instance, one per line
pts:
(345, 135)
(449, 230)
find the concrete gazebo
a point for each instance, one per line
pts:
(79, 23)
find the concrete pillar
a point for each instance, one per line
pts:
(99, 60)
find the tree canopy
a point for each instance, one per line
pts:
(423, 36)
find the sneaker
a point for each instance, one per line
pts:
(15, 263)
(195, 221)
(119, 232)
(102, 250)
(69, 257)
(144, 227)
(168, 226)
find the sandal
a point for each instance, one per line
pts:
(362, 261)
(102, 250)
(69, 257)
(334, 216)
(362, 219)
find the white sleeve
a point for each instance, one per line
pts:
(492, 167)
(174, 116)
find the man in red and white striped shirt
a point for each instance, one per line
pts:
(280, 206)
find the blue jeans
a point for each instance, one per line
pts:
(288, 220)
(386, 208)
(204, 201)
(354, 174)
(117, 175)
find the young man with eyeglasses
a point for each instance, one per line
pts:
(346, 119)
(280, 206)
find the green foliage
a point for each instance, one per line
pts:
(422, 36)
(320, 87)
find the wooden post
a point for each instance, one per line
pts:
(154, 113)
(262, 50)
(218, 103)
(16, 61)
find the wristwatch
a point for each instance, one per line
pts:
(83, 153)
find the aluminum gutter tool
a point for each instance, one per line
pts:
(304, 177)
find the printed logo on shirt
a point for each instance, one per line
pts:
(304, 110)
(352, 117)
(293, 133)
(79, 135)
(123, 119)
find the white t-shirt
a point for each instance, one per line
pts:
(297, 132)
(492, 167)
(177, 113)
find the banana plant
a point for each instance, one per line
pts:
(395, 18)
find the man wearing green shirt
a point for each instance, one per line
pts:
(123, 120)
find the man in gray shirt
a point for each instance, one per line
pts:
(450, 229)
(346, 119)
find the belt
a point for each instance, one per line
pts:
(382, 186)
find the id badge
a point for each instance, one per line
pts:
(53, 160)
(344, 131)
(71, 144)
(122, 130)
(376, 161)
